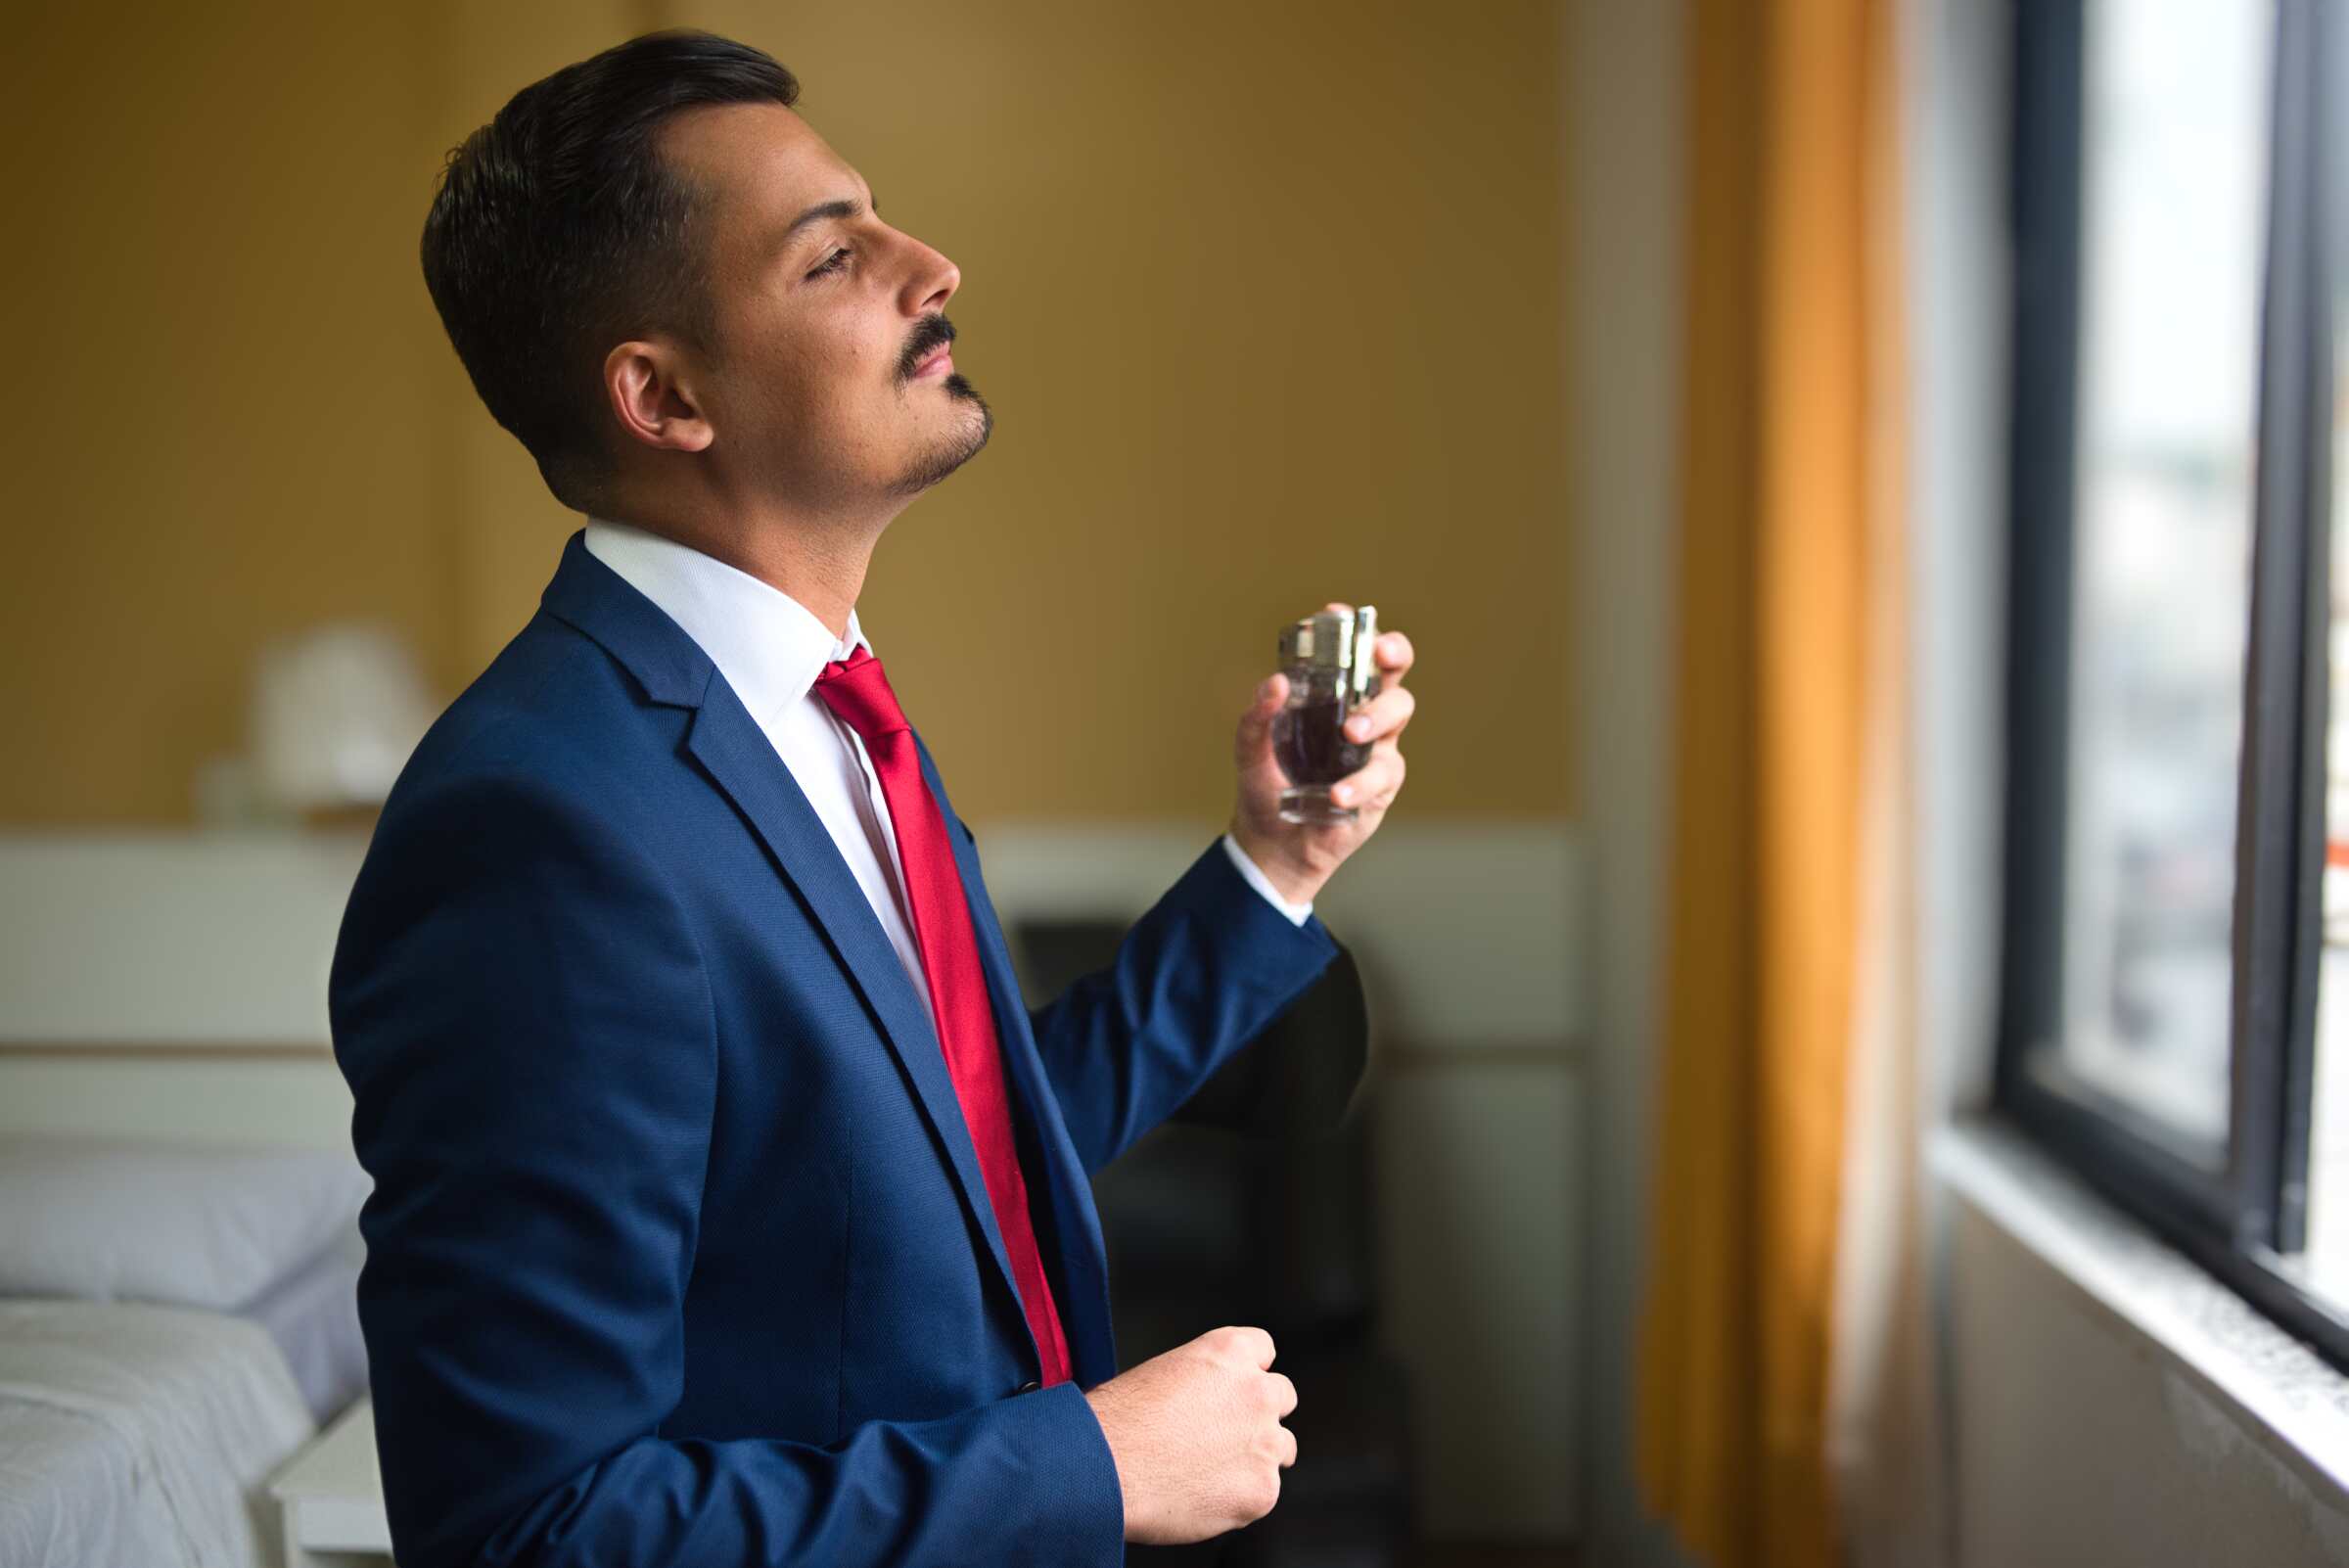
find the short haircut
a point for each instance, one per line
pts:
(555, 233)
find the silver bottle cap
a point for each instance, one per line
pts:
(1339, 642)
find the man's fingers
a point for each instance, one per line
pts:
(1382, 715)
(1394, 653)
(1376, 780)
(1256, 721)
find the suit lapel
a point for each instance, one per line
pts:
(728, 742)
(738, 758)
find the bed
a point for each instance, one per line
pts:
(176, 1322)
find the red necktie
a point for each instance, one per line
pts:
(859, 694)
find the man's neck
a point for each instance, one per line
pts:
(821, 568)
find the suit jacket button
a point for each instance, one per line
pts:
(1028, 1388)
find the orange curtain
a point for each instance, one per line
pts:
(1786, 478)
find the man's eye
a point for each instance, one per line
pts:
(832, 263)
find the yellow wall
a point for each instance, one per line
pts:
(1266, 299)
(217, 415)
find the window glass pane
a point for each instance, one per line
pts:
(2329, 1126)
(2175, 127)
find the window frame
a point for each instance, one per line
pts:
(2244, 1218)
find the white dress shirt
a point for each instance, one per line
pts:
(769, 647)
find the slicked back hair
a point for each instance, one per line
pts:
(555, 234)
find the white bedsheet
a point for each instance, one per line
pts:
(134, 1434)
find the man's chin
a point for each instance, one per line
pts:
(959, 447)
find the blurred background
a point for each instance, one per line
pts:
(1677, 375)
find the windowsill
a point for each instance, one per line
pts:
(2182, 1317)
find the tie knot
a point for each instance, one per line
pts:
(859, 697)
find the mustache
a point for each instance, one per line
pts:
(930, 333)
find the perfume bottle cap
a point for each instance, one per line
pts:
(1336, 642)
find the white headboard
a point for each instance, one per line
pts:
(173, 984)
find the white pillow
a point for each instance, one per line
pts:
(188, 1224)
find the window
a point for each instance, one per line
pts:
(2328, 1149)
(2176, 963)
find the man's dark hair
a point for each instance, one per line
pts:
(556, 233)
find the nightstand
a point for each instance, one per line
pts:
(331, 1496)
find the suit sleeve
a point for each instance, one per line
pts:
(522, 1012)
(1297, 1079)
(1196, 978)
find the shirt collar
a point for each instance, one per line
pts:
(769, 646)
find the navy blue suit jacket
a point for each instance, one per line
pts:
(678, 1251)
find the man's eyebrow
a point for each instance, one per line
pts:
(840, 207)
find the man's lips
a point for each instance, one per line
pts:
(937, 362)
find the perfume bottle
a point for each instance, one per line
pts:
(1328, 660)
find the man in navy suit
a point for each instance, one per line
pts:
(730, 1205)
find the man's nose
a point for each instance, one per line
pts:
(929, 283)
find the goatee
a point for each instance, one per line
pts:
(959, 448)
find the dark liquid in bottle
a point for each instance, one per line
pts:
(1311, 746)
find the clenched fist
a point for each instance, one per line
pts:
(1197, 1438)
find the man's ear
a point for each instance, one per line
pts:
(643, 380)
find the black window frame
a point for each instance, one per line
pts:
(2244, 1218)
